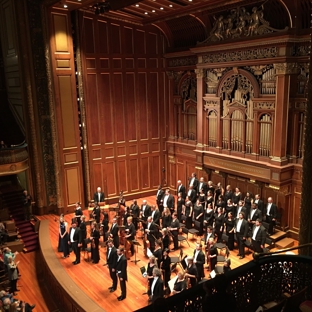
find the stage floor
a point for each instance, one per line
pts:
(94, 279)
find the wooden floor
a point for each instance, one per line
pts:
(94, 279)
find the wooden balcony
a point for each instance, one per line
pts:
(13, 160)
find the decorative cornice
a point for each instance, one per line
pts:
(183, 61)
(264, 105)
(257, 53)
(286, 68)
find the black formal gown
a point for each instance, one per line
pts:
(197, 211)
(166, 269)
(95, 253)
(166, 221)
(219, 223)
(230, 224)
(180, 203)
(63, 242)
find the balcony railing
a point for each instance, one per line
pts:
(13, 159)
(249, 286)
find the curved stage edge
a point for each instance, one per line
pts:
(64, 290)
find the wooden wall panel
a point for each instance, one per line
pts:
(103, 40)
(142, 102)
(126, 94)
(115, 42)
(118, 99)
(64, 77)
(145, 173)
(122, 175)
(153, 93)
(155, 171)
(89, 40)
(130, 109)
(97, 176)
(105, 108)
(110, 178)
(134, 174)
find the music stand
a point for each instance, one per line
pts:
(135, 243)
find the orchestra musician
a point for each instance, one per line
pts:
(95, 239)
(127, 214)
(180, 284)
(199, 261)
(111, 259)
(104, 226)
(135, 211)
(74, 240)
(188, 212)
(145, 212)
(149, 270)
(212, 253)
(157, 286)
(194, 182)
(168, 200)
(174, 230)
(121, 272)
(121, 200)
(114, 232)
(165, 238)
(151, 231)
(155, 215)
(98, 196)
(191, 271)
(96, 212)
(202, 186)
(166, 218)
(78, 213)
(158, 252)
(130, 233)
(241, 230)
(181, 189)
(159, 195)
(83, 230)
(166, 266)
(180, 203)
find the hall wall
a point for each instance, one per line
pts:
(126, 105)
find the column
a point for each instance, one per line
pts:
(200, 94)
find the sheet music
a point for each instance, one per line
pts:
(213, 274)
(148, 252)
(171, 283)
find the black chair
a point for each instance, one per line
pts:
(195, 229)
(176, 260)
(182, 238)
(225, 238)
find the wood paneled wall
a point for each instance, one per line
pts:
(126, 103)
(62, 57)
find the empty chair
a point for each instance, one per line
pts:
(182, 238)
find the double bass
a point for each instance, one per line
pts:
(146, 242)
(121, 208)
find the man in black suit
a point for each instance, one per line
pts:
(151, 231)
(194, 182)
(168, 201)
(135, 212)
(111, 260)
(259, 202)
(96, 213)
(113, 233)
(241, 208)
(155, 214)
(199, 260)
(241, 230)
(209, 234)
(270, 214)
(181, 189)
(121, 272)
(145, 211)
(157, 286)
(174, 230)
(202, 186)
(192, 195)
(99, 196)
(254, 214)
(258, 236)
(159, 195)
(74, 240)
